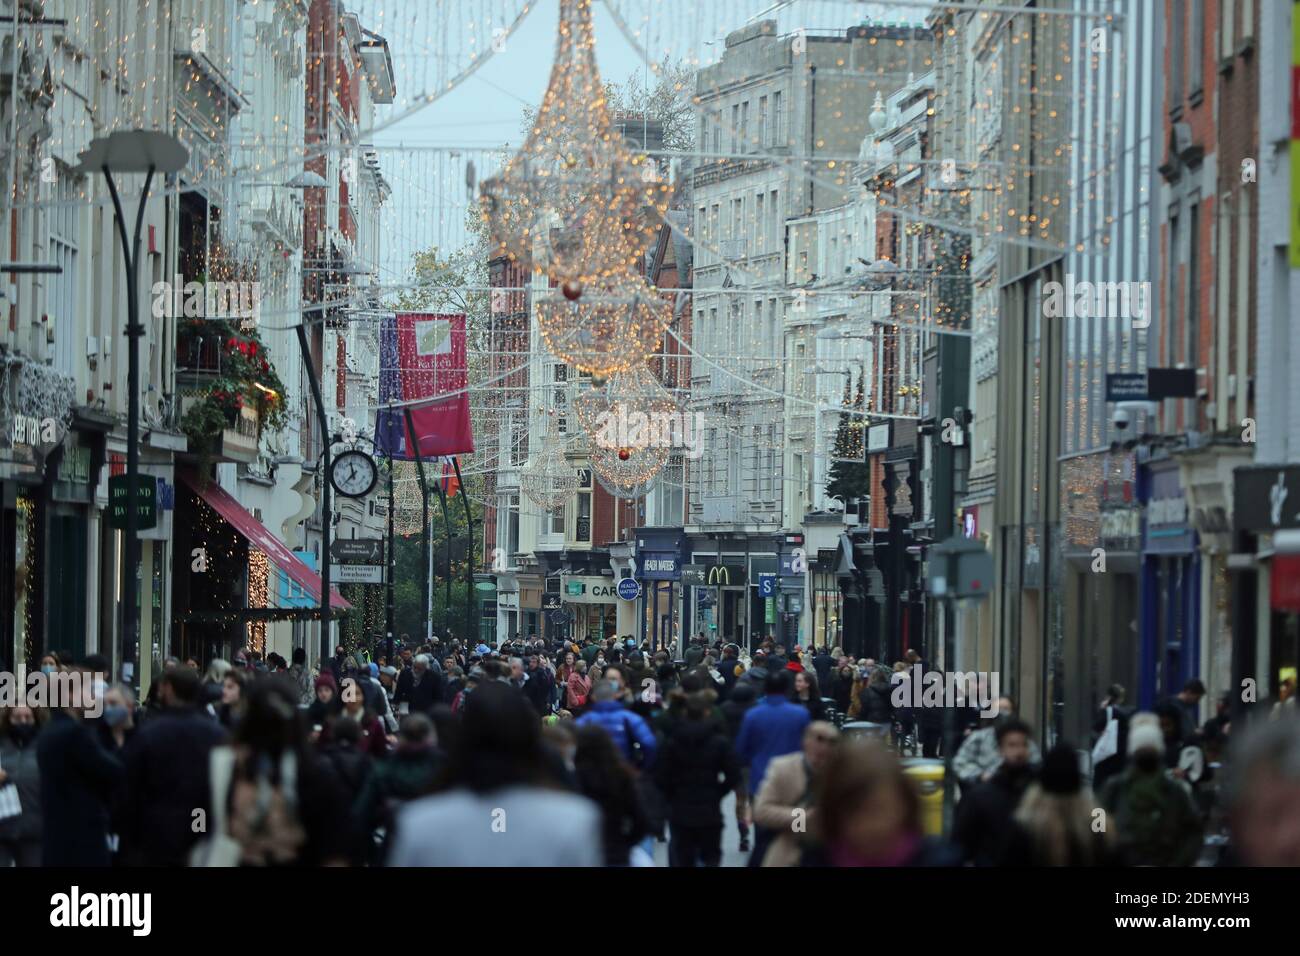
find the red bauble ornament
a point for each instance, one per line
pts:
(572, 289)
(624, 454)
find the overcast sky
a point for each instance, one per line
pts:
(428, 205)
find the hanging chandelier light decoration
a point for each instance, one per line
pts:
(573, 200)
(628, 472)
(632, 410)
(407, 513)
(549, 479)
(607, 329)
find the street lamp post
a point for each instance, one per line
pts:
(148, 152)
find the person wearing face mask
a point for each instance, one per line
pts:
(78, 780)
(20, 832)
(984, 827)
(118, 724)
(978, 757)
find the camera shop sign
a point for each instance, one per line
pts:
(587, 589)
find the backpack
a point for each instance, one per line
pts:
(256, 817)
(1149, 817)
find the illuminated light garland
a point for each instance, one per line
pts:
(573, 200)
(259, 570)
(549, 479)
(608, 329)
(631, 476)
(634, 390)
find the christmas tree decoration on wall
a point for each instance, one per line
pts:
(615, 324)
(549, 479)
(574, 201)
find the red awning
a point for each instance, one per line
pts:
(260, 538)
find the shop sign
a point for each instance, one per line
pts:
(1167, 511)
(1121, 524)
(1266, 498)
(74, 466)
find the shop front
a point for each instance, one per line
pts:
(1171, 593)
(229, 575)
(593, 603)
(1265, 574)
(662, 618)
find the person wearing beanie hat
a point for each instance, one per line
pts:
(1153, 815)
(1054, 822)
(327, 703)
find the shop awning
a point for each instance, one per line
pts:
(260, 538)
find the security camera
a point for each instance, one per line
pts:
(1121, 419)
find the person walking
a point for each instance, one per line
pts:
(500, 783)
(695, 770)
(984, 823)
(772, 728)
(167, 774)
(1154, 816)
(78, 778)
(20, 787)
(784, 805)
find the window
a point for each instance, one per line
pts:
(1193, 281)
(64, 220)
(760, 223)
(717, 135)
(1196, 37)
(1227, 16)
(1247, 21)
(557, 520)
(1171, 298)
(735, 127)
(1176, 51)
(744, 127)
(582, 521)
(762, 121)
(778, 121)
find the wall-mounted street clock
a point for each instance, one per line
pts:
(354, 473)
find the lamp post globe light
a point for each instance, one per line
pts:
(132, 151)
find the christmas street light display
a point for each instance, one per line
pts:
(631, 409)
(574, 201)
(549, 479)
(606, 329)
(628, 472)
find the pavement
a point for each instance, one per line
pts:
(731, 855)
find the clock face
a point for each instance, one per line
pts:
(354, 474)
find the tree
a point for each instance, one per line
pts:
(850, 475)
(670, 100)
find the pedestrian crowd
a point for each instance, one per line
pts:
(594, 753)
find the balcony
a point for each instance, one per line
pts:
(237, 442)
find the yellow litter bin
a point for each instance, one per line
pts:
(927, 775)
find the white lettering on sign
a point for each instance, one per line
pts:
(1120, 524)
(1167, 511)
(657, 564)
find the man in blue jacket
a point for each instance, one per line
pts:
(771, 728)
(628, 730)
